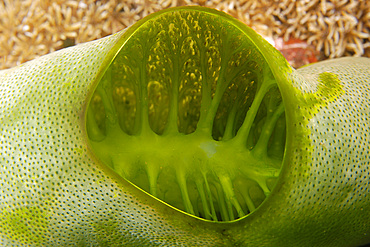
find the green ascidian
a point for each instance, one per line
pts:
(186, 129)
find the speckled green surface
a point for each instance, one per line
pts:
(52, 179)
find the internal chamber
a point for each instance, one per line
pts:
(190, 112)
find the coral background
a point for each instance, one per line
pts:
(323, 28)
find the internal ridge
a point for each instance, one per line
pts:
(189, 111)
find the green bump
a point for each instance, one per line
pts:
(194, 118)
(25, 224)
(330, 86)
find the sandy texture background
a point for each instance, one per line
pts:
(31, 28)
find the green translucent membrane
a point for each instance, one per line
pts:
(190, 112)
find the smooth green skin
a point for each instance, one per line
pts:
(54, 189)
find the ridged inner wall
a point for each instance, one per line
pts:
(190, 112)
